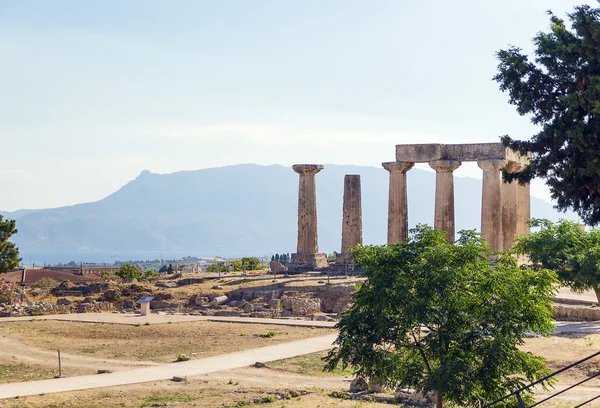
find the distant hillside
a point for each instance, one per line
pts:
(244, 207)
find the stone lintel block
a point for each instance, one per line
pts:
(421, 153)
(307, 168)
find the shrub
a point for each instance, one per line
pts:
(47, 283)
(182, 357)
(129, 271)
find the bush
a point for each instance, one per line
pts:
(7, 293)
(129, 271)
(182, 357)
(47, 283)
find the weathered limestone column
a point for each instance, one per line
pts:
(444, 196)
(510, 207)
(398, 201)
(307, 255)
(523, 209)
(351, 219)
(491, 202)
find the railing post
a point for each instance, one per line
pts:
(521, 403)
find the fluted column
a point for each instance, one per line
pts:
(510, 205)
(307, 250)
(491, 202)
(351, 218)
(523, 209)
(398, 201)
(444, 196)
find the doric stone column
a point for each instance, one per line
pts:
(352, 217)
(398, 201)
(307, 251)
(523, 209)
(491, 202)
(510, 207)
(444, 196)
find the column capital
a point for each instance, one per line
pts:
(491, 165)
(444, 166)
(398, 167)
(515, 167)
(304, 169)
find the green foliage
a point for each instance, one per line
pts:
(251, 263)
(567, 249)
(560, 90)
(47, 283)
(269, 334)
(170, 269)
(182, 357)
(439, 317)
(332, 256)
(9, 253)
(163, 269)
(129, 271)
(217, 267)
(149, 274)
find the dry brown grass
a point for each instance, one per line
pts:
(201, 393)
(158, 342)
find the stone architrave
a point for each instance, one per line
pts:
(444, 196)
(307, 255)
(491, 202)
(510, 207)
(352, 217)
(398, 201)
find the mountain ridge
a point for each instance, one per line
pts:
(237, 207)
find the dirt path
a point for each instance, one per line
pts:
(168, 371)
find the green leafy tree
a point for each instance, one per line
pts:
(440, 318)
(129, 271)
(9, 253)
(566, 248)
(251, 263)
(560, 91)
(163, 269)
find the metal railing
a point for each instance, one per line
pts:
(517, 393)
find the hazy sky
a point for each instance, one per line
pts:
(94, 92)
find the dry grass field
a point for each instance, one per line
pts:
(28, 348)
(28, 352)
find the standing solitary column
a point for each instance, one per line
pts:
(307, 255)
(444, 196)
(398, 201)
(510, 207)
(523, 209)
(352, 218)
(491, 202)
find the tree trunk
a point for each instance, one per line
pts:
(438, 400)
(597, 292)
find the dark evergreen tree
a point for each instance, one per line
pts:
(170, 269)
(560, 89)
(272, 258)
(277, 258)
(9, 253)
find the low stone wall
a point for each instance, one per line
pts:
(577, 313)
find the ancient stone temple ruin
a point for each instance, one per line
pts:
(307, 255)
(505, 207)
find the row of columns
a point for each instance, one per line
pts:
(505, 207)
